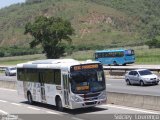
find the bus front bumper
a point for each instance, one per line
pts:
(86, 104)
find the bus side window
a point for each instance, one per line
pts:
(57, 77)
(21, 74)
(109, 54)
(106, 54)
(32, 75)
(99, 55)
(119, 54)
(102, 55)
(49, 76)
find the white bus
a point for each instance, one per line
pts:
(65, 83)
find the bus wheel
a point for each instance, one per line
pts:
(124, 64)
(29, 97)
(59, 104)
(115, 63)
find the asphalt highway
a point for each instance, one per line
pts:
(12, 104)
(120, 86)
(7, 78)
(115, 85)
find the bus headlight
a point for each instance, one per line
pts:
(76, 98)
(102, 95)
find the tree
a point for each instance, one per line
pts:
(33, 1)
(154, 34)
(50, 33)
(154, 43)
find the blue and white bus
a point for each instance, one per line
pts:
(115, 57)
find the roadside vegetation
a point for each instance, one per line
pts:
(20, 59)
(18, 51)
(98, 24)
(144, 55)
(51, 33)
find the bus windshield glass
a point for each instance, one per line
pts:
(129, 52)
(87, 81)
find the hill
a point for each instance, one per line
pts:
(97, 23)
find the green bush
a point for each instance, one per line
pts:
(1, 54)
(18, 51)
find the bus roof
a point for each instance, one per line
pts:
(54, 63)
(118, 50)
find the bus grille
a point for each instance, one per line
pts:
(90, 103)
(90, 95)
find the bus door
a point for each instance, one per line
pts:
(42, 87)
(66, 89)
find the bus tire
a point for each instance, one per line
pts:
(59, 105)
(124, 64)
(29, 97)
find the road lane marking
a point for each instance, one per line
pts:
(75, 118)
(132, 109)
(108, 84)
(50, 112)
(3, 112)
(8, 89)
(16, 104)
(33, 108)
(3, 101)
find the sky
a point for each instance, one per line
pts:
(5, 3)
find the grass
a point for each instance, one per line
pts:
(20, 59)
(144, 55)
(1, 72)
(148, 56)
(82, 55)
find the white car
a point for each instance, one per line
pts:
(141, 77)
(10, 71)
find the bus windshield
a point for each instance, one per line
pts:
(129, 52)
(87, 81)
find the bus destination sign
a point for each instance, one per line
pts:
(84, 67)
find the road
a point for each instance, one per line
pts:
(11, 103)
(121, 87)
(7, 78)
(115, 85)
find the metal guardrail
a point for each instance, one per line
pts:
(2, 68)
(128, 68)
